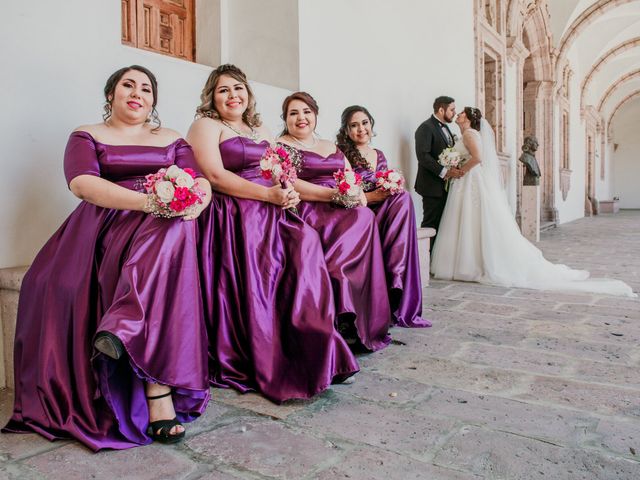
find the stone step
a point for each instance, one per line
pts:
(10, 282)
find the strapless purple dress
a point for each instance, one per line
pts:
(353, 254)
(268, 298)
(397, 224)
(119, 271)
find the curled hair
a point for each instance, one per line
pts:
(207, 106)
(345, 143)
(110, 88)
(303, 97)
(442, 102)
(475, 117)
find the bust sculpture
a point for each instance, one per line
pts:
(532, 169)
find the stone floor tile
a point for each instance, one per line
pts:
(384, 389)
(391, 427)
(264, 447)
(582, 349)
(554, 425)
(374, 464)
(512, 358)
(492, 308)
(588, 397)
(620, 436)
(608, 373)
(257, 403)
(495, 335)
(499, 455)
(75, 462)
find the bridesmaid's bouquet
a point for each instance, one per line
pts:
(449, 158)
(391, 181)
(171, 192)
(281, 164)
(349, 191)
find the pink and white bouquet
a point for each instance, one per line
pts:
(172, 191)
(450, 158)
(281, 163)
(391, 181)
(349, 185)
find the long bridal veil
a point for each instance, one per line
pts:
(508, 258)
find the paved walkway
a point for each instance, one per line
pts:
(509, 384)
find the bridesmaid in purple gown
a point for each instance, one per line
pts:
(349, 236)
(395, 216)
(113, 270)
(268, 299)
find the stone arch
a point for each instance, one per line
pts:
(583, 20)
(614, 86)
(529, 39)
(600, 62)
(632, 96)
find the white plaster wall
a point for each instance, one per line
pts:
(392, 57)
(263, 36)
(52, 83)
(626, 159)
(573, 207)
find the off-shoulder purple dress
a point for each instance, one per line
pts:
(352, 251)
(397, 224)
(119, 271)
(269, 303)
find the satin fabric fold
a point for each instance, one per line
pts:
(396, 220)
(269, 303)
(119, 271)
(353, 254)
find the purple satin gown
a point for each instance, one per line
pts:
(267, 293)
(397, 224)
(353, 254)
(119, 271)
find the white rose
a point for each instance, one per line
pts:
(173, 171)
(276, 170)
(165, 191)
(350, 177)
(265, 164)
(387, 185)
(394, 177)
(184, 180)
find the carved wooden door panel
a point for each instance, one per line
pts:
(163, 26)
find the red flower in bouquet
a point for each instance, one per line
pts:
(172, 191)
(281, 163)
(391, 181)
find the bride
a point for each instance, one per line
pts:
(478, 238)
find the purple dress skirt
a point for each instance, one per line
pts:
(353, 254)
(268, 298)
(397, 224)
(120, 271)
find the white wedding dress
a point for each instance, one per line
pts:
(479, 240)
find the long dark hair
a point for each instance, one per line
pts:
(110, 88)
(345, 143)
(475, 117)
(303, 97)
(207, 106)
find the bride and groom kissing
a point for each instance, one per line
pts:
(477, 238)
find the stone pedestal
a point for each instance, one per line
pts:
(530, 213)
(424, 243)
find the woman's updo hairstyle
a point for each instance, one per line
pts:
(207, 106)
(110, 88)
(303, 97)
(475, 117)
(345, 143)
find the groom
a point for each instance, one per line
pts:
(432, 137)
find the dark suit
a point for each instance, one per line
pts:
(430, 142)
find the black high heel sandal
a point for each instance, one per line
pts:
(109, 344)
(160, 430)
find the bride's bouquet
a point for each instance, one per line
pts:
(171, 192)
(391, 181)
(449, 158)
(349, 191)
(281, 164)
